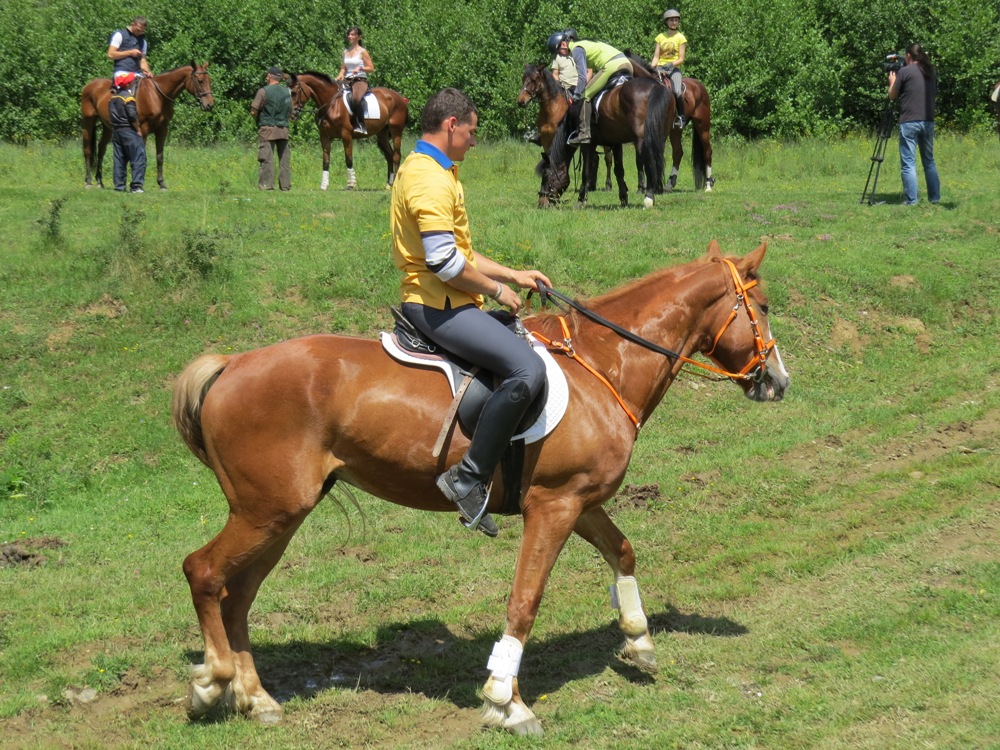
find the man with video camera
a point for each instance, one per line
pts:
(915, 85)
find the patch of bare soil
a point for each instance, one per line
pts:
(24, 553)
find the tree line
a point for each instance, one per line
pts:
(774, 68)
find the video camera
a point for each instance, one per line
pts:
(893, 62)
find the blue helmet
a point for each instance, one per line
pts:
(555, 40)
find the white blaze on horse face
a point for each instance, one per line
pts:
(777, 354)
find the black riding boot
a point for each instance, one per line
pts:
(680, 112)
(582, 134)
(466, 483)
(358, 109)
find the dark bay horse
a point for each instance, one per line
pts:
(280, 426)
(155, 104)
(634, 112)
(539, 85)
(333, 118)
(697, 113)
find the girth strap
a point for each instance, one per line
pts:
(452, 414)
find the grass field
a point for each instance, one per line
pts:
(823, 572)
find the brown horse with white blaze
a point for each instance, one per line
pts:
(280, 426)
(333, 118)
(154, 103)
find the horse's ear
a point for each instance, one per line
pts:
(749, 264)
(713, 250)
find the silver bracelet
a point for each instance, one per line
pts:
(499, 291)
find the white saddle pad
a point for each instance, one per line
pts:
(558, 389)
(372, 109)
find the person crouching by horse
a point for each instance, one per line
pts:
(128, 147)
(444, 287)
(668, 56)
(270, 109)
(354, 70)
(605, 61)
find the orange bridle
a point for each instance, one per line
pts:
(755, 369)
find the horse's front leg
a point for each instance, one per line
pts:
(597, 528)
(324, 142)
(546, 530)
(619, 175)
(589, 154)
(346, 135)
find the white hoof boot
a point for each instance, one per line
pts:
(325, 182)
(647, 202)
(352, 180)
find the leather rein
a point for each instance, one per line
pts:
(755, 369)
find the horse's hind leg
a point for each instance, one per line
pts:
(102, 147)
(385, 146)
(224, 577)
(597, 528)
(348, 141)
(677, 150)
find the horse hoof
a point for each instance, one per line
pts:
(268, 716)
(647, 202)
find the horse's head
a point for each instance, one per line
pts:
(737, 335)
(532, 85)
(301, 94)
(554, 167)
(199, 83)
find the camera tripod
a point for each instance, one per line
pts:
(878, 154)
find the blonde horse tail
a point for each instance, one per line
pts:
(189, 393)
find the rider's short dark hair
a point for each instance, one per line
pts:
(444, 104)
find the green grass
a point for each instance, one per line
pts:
(818, 573)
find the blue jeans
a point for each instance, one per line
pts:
(914, 135)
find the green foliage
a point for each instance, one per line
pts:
(775, 68)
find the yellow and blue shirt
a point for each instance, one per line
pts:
(428, 198)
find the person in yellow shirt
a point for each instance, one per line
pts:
(671, 47)
(444, 287)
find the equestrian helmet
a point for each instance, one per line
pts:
(671, 13)
(571, 35)
(555, 40)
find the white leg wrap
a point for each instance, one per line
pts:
(673, 172)
(325, 182)
(625, 598)
(504, 663)
(352, 180)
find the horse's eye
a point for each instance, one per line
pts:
(764, 308)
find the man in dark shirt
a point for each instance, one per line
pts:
(916, 88)
(270, 109)
(128, 50)
(126, 139)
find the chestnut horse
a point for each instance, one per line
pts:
(280, 426)
(539, 85)
(697, 113)
(333, 119)
(634, 112)
(154, 102)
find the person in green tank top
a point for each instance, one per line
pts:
(270, 109)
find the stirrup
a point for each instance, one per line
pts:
(472, 509)
(575, 139)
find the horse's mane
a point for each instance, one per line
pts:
(638, 62)
(316, 74)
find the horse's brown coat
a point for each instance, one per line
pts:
(279, 425)
(154, 104)
(334, 119)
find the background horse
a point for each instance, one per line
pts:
(634, 112)
(697, 113)
(280, 426)
(154, 101)
(333, 118)
(539, 85)
(995, 98)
